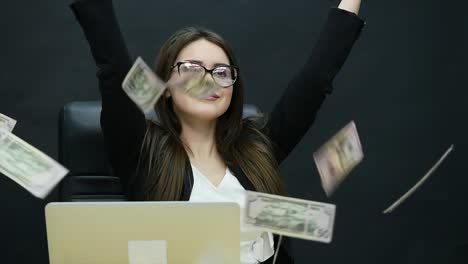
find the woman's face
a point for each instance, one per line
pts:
(212, 106)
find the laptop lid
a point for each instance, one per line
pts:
(143, 232)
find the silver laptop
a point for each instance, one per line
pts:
(143, 233)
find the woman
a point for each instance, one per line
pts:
(201, 149)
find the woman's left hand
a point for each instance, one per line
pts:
(350, 5)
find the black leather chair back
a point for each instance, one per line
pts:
(82, 151)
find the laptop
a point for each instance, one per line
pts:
(143, 233)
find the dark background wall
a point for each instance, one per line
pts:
(405, 85)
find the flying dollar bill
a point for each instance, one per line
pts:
(336, 158)
(7, 123)
(198, 88)
(143, 86)
(27, 166)
(419, 183)
(194, 84)
(289, 216)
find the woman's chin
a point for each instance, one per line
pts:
(201, 112)
(206, 114)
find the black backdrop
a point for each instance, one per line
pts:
(404, 85)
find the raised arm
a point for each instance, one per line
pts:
(296, 110)
(122, 123)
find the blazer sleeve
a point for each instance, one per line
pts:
(295, 112)
(123, 124)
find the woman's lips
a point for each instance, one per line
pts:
(213, 97)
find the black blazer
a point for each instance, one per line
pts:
(123, 124)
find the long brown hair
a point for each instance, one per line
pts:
(164, 161)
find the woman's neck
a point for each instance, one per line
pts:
(200, 139)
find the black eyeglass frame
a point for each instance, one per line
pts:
(209, 71)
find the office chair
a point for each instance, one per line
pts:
(82, 151)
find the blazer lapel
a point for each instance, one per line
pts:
(244, 181)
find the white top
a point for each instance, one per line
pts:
(255, 246)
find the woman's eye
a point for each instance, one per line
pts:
(223, 73)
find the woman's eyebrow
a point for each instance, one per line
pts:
(201, 62)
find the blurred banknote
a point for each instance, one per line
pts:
(194, 84)
(27, 166)
(143, 86)
(336, 158)
(419, 183)
(7, 123)
(289, 217)
(198, 87)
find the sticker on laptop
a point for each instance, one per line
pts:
(147, 252)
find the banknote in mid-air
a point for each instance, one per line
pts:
(289, 216)
(27, 166)
(419, 183)
(7, 123)
(198, 87)
(195, 84)
(143, 86)
(336, 158)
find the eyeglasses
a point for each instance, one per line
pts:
(223, 75)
